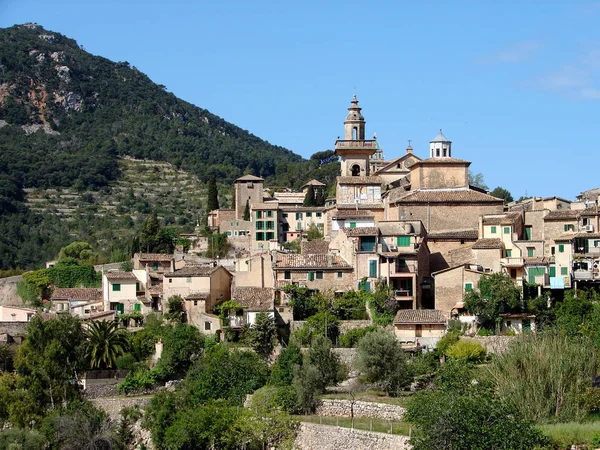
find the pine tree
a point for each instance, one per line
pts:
(309, 198)
(320, 198)
(247, 210)
(213, 195)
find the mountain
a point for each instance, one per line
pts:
(67, 121)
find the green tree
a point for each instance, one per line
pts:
(380, 359)
(213, 195)
(572, 312)
(282, 372)
(320, 197)
(502, 193)
(309, 198)
(182, 345)
(105, 342)
(247, 211)
(477, 180)
(262, 335)
(313, 233)
(326, 362)
(495, 294)
(176, 308)
(80, 251)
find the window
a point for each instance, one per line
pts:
(468, 286)
(137, 286)
(527, 233)
(506, 230)
(403, 241)
(402, 263)
(298, 225)
(553, 250)
(552, 271)
(116, 287)
(367, 243)
(569, 227)
(561, 248)
(137, 307)
(596, 243)
(229, 233)
(155, 266)
(260, 225)
(437, 152)
(269, 213)
(170, 280)
(270, 225)
(260, 236)
(285, 215)
(493, 230)
(508, 253)
(308, 214)
(340, 275)
(373, 268)
(530, 252)
(311, 276)
(269, 235)
(585, 221)
(258, 214)
(564, 271)
(352, 224)
(287, 275)
(444, 153)
(319, 274)
(298, 216)
(188, 279)
(319, 214)
(206, 326)
(195, 302)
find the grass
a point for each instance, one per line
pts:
(570, 433)
(369, 396)
(362, 423)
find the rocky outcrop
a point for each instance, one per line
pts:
(343, 408)
(312, 436)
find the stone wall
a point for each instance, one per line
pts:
(493, 344)
(347, 355)
(113, 406)
(345, 325)
(323, 437)
(13, 328)
(343, 408)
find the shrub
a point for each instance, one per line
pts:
(351, 338)
(468, 350)
(125, 362)
(446, 341)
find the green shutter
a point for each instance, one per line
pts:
(566, 227)
(116, 287)
(373, 268)
(530, 252)
(561, 248)
(506, 230)
(552, 271)
(468, 286)
(528, 233)
(137, 307)
(352, 224)
(367, 286)
(311, 276)
(564, 271)
(493, 230)
(403, 241)
(120, 308)
(508, 252)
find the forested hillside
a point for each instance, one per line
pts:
(67, 117)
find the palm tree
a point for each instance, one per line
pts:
(105, 343)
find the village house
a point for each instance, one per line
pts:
(420, 328)
(16, 314)
(328, 273)
(122, 292)
(252, 301)
(80, 302)
(451, 286)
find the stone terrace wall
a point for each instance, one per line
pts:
(13, 328)
(342, 408)
(345, 325)
(347, 355)
(113, 406)
(493, 344)
(323, 437)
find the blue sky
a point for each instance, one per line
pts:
(514, 84)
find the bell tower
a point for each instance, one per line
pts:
(354, 149)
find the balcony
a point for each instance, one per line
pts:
(512, 262)
(235, 321)
(583, 274)
(403, 293)
(364, 143)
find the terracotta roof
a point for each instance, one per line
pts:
(361, 231)
(562, 215)
(295, 261)
(192, 271)
(263, 206)
(302, 208)
(399, 228)
(488, 243)
(454, 234)
(313, 182)
(155, 290)
(587, 235)
(102, 315)
(316, 247)
(155, 257)
(350, 214)
(75, 294)
(249, 178)
(360, 180)
(156, 276)
(120, 276)
(254, 298)
(590, 211)
(419, 316)
(442, 196)
(504, 219)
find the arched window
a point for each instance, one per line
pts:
(437, 152)
(354, 133)
(355, 170)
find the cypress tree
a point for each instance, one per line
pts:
(247, 211)
(320, 198)
(213, 195)
(309, 198)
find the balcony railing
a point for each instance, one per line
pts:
(363, 143)
(403, 293)
(512, 261)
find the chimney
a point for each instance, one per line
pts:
(329, 259)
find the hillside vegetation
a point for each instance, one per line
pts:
(67, 119)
